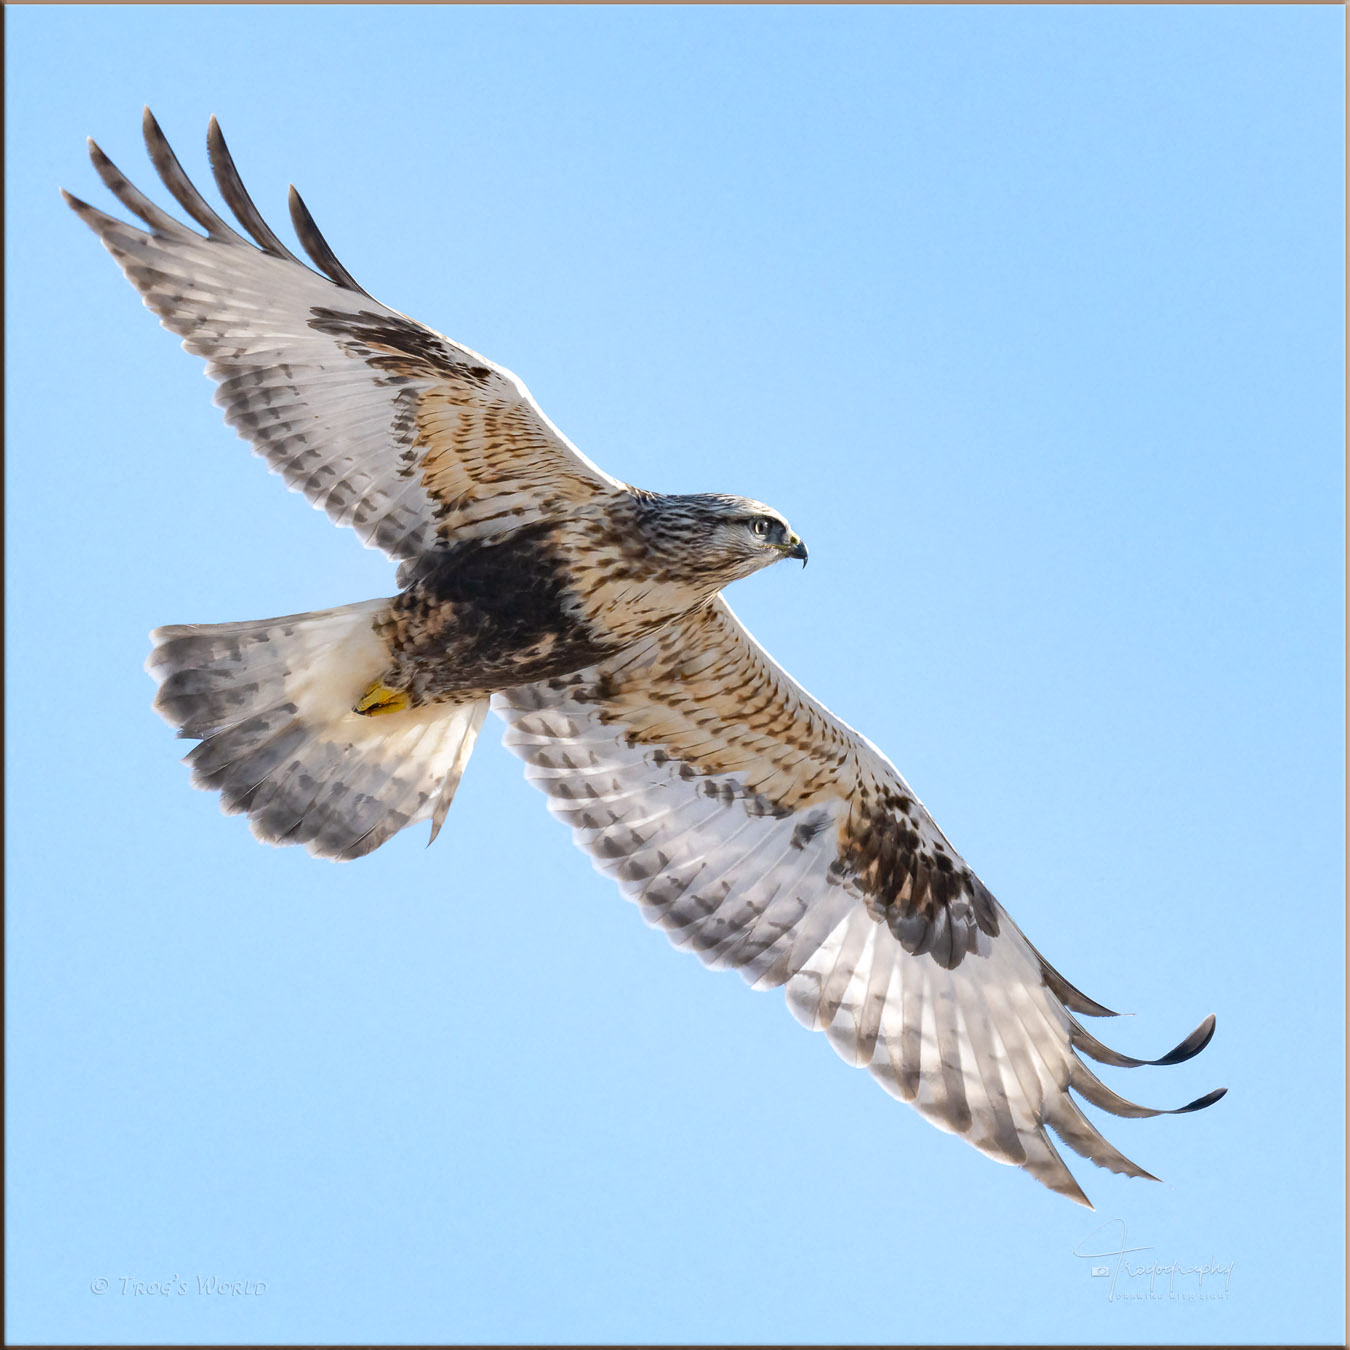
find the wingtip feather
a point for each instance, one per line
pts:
(1200, 1103)
(317, 246)
(1192, 1045)
(1188, 1048)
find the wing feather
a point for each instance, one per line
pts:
(236, 195)
(317, 247)
(766, 836)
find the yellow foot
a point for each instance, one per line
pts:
(379, 699)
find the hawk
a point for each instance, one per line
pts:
(755, 827)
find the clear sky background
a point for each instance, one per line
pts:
(1031, 322)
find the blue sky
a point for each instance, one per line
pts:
(1030, 320)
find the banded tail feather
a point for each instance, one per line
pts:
(272, 704)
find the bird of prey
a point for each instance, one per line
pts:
(755, 827)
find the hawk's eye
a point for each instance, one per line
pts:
(762, 526)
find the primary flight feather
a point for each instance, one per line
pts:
(744, 818)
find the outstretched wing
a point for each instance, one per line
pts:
(402, 434)
(768, 837)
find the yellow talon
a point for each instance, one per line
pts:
(380, 699)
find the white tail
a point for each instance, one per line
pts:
(271, 702)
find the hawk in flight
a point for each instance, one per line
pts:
(745, 819)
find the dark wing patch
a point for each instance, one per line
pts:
(392, 343)
(929, 899)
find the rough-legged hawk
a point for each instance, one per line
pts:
(744, 818)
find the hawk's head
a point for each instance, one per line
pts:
(709, 537)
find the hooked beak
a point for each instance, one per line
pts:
(794, 548)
